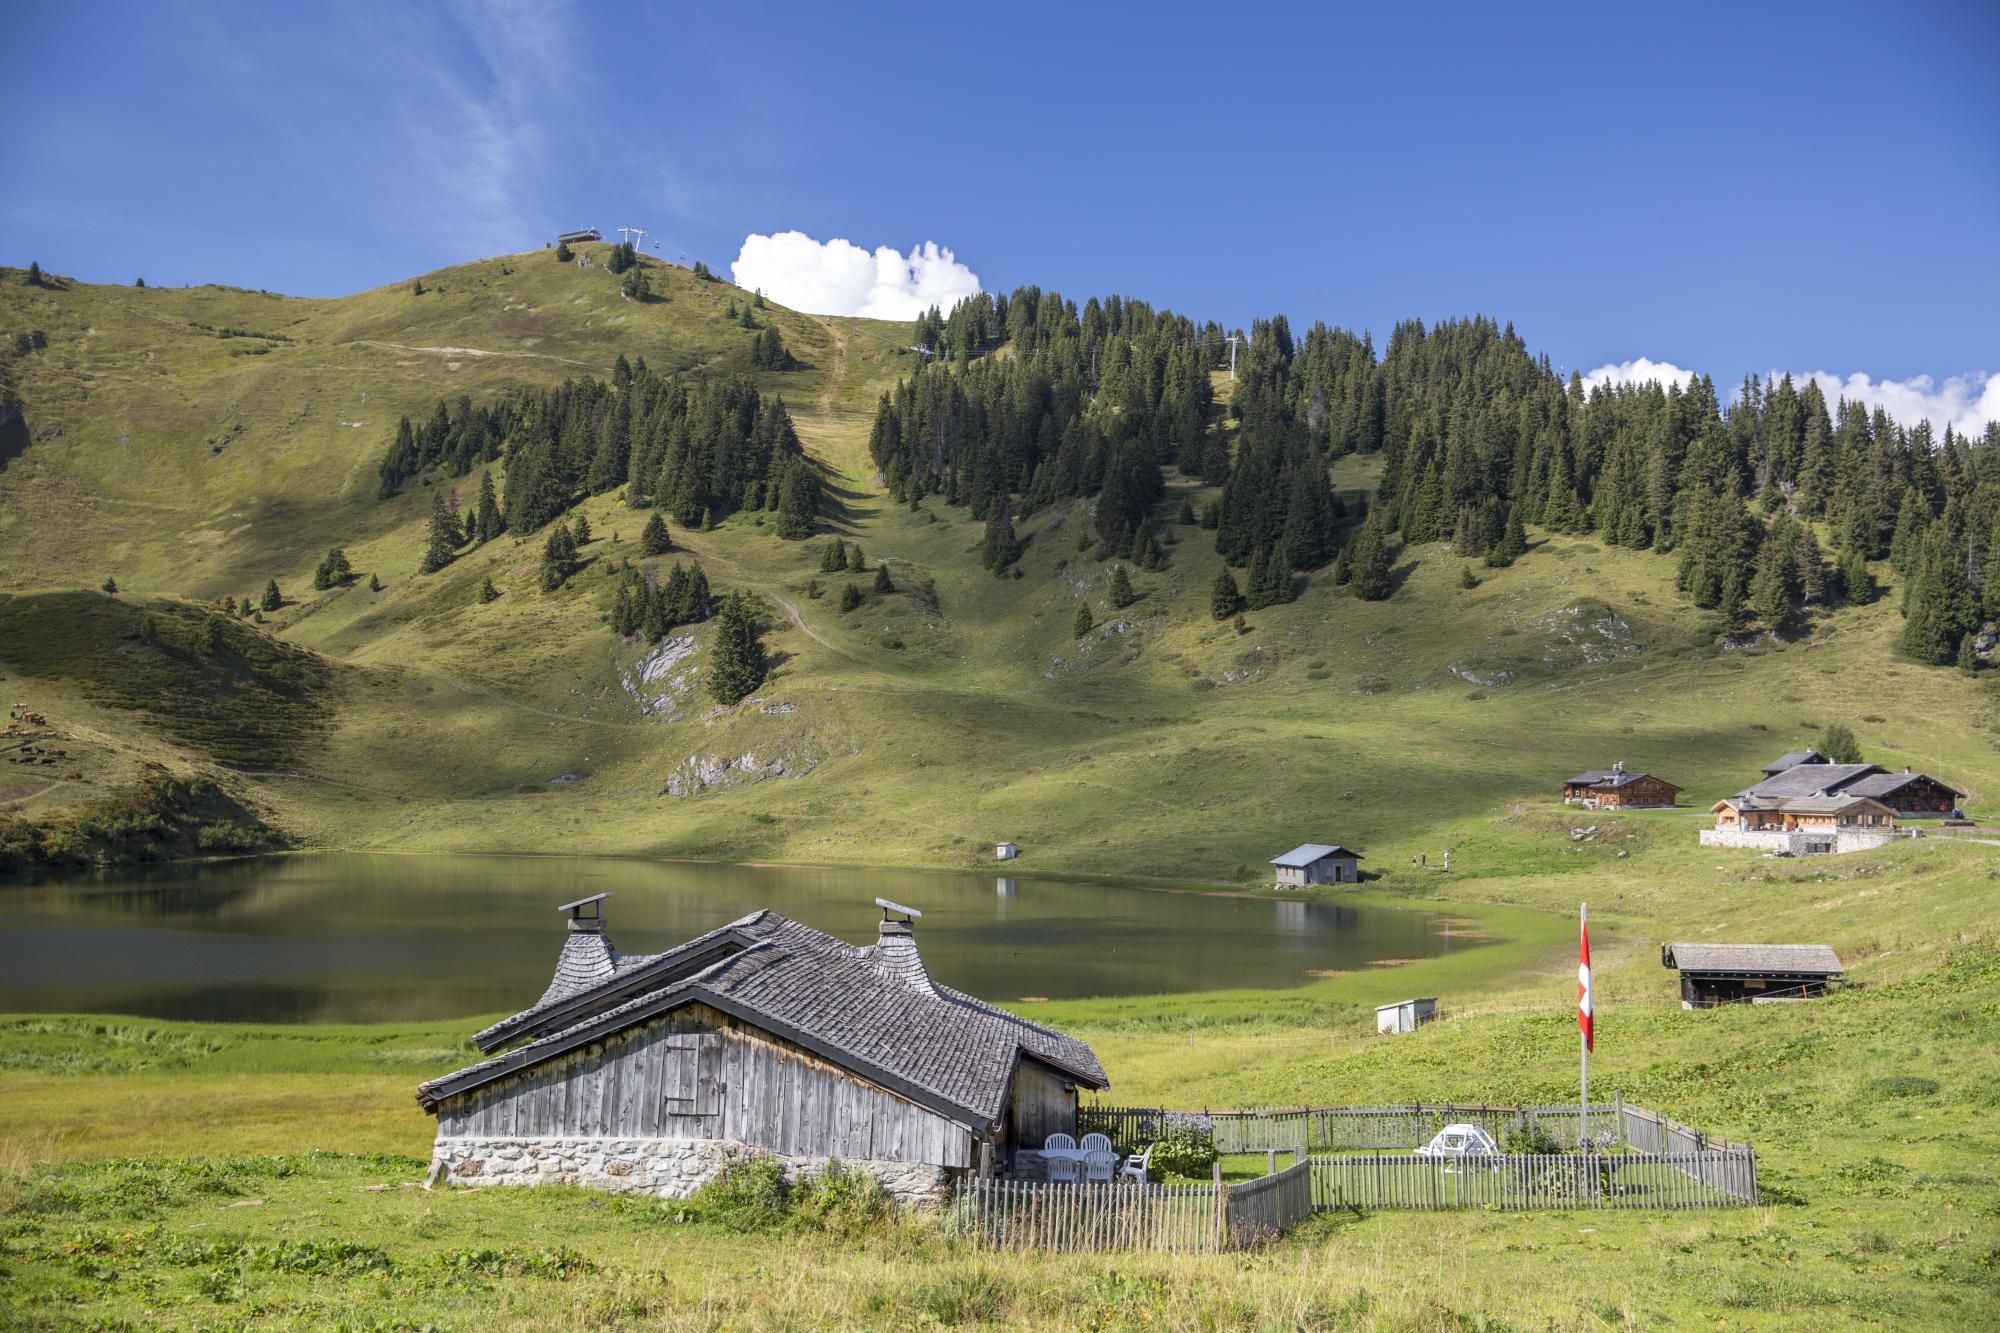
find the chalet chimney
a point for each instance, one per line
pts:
(587, 957)
(895, 951)
(1618, 766)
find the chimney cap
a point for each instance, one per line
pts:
(888, 907)
(576, 911)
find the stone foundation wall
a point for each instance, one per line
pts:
(1798, 842)
(669, 1168)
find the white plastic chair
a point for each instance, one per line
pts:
(1138, 1165)
(1096, 1143)
(1062, 1170)
(1098, 1166)
(1062, 1141)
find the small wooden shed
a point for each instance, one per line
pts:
(1317, 863)
(1405, 1015)
(651, 1073)
(1713, 974)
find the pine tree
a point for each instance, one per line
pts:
(558, 557)
(654, 609)
(374, 583)
(272, 599)
(798, 501)
(1368, 568)
(856, 562)
(1226, 597)
(739, 662)
(34, 278)
(1466, 578)
(834, 558)
(1771, 585)
(581, 530)
(1857, 584)
(563, 253)
(487, 592)
(1121, 593)
(111, 586)
(332, 570)
(1968, 655)
(883, 585)
(813, 590)
(490, 524)
(654, 538)
(443, 537)
(850, 597)
(1187, 513)
(1000, 547)
(1082, 623)
(1270, 580)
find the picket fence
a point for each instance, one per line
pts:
(1344, 1128)
(1194, 1218)
(1711, 1179)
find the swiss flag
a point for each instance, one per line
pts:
(1583, 987)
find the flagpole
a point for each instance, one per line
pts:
(1583, 1036)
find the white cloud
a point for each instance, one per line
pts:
(1965, 402)
(840, 278)
(1644, 370)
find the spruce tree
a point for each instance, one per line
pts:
(1968, 655)
(443, 536)
(374, 583)
(489, 524)
(1121, 593)
(1466, 578)
(558, 557)
(856, 562)
(580, 529)
(834, 558)
(850, 597)
(1857, 584)
(1771, 585)
(111, 586)
(34, 278)
(563, 253)
(1082, 623)
(739, 662)
(813, 590)
(272, 599)
(1187, 513)
(1000, 547)
(654, 613)
(1368, 568)
(654, 538)
(487, 592)
(1226, 597)
(882, 582)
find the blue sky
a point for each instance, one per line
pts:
(1729, 188)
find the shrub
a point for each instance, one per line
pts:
(746, 1196)
(1903, 1085)
(1182, 1151)
(841, 1200)
(1526, 1136)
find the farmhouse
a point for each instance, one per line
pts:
(1713, 974)
(764, 1038)
(1800, 825)
(1616, 788)
(1317, 863)
(1806, 773)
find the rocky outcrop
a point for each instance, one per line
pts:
(703, 772)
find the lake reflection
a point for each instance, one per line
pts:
(361, 938)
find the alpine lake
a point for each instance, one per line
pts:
(357, 937)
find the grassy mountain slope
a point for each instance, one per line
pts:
(916, 729)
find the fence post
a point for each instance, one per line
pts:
(986, 1160)
(1270, 1161)
(1221, 1208)
(1618, 1108)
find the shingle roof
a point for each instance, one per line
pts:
(870, 1009)
(1609, 777)
(1793, 758)
(1810, 779)
(1307, 853)
(1879, 785)
(1804, 805)
(1787, 958)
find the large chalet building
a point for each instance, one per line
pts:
(1807, 804)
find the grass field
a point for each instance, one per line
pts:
(917, 730)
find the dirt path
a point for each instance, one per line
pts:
(475, 352)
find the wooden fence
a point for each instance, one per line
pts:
(1714, 1178)
(1344, 1128)
(1194, 1218)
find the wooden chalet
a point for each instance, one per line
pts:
(762, 1038)
(1317, 863)
(1616, 788)
(1714, 974)
(1806, 773)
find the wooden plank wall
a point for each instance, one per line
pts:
(700, 1074)
(1044, 1104)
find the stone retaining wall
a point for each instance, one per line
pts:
(669, 1168)
(1800, 842)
